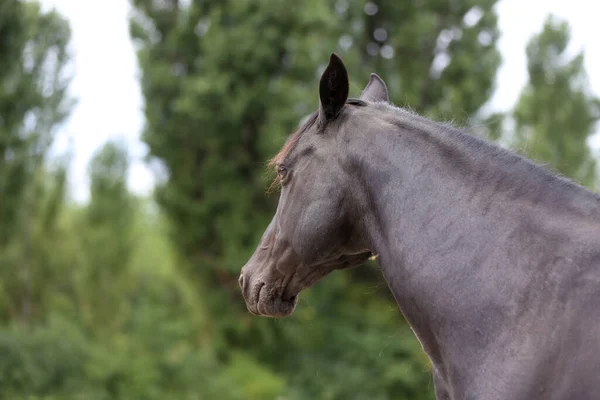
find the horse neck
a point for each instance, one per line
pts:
(447, 215)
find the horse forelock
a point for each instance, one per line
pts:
(292, 141)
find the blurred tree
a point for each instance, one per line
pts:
(33, 101)
(556, 112)
(108, 221)
(438, 57)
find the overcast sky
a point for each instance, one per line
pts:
(110, 103)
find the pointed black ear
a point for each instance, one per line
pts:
(376, 90)
(333, 89)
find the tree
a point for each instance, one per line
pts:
(108, 242)
(556, 113)
(33, 102)
(437, 57)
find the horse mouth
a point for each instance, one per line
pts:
(268, 304)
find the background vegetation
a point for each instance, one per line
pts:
(136, 298)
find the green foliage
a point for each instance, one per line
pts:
(47, 364)
(437, 57)
(340, 356)
(108, 243)
(556, 113)
(155, 344)
(33, 102)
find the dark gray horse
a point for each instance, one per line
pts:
(494, 262)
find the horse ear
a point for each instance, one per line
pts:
(376, 90)
(333, 89)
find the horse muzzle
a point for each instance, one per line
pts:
(266, 298)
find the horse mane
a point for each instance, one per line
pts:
(292, 140)
(526, 174)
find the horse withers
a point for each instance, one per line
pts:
(493, 261)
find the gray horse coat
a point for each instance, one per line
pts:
(494, 261)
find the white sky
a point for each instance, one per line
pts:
(110, 103)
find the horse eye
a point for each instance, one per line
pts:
(281, 170)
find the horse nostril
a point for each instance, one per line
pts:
(241, 281)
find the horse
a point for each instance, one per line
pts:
(494, 261)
